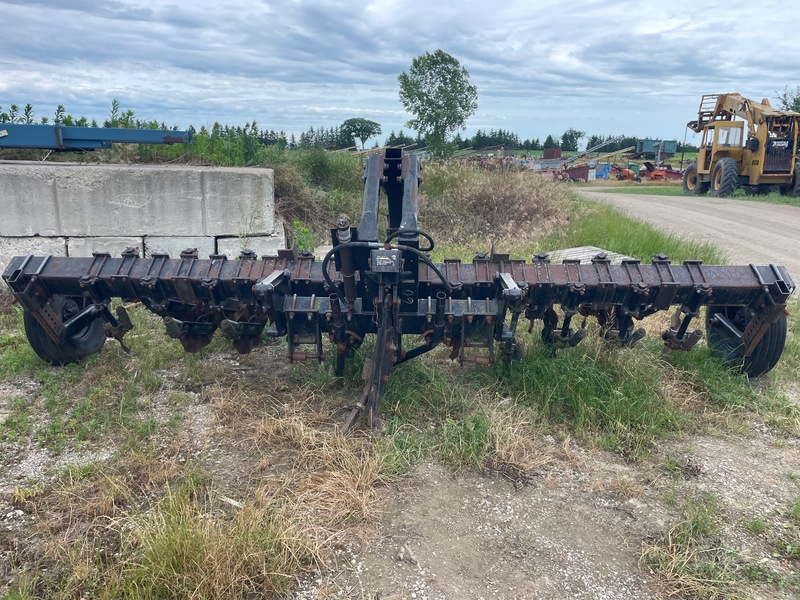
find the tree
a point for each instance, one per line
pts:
(594, 140)
(550, 143)
(400, 139)
(570, 139)
(790, 100)
(687, 147)
(437, 91)
(362, 129)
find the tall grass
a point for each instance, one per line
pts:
(460, 203)
(185, 549)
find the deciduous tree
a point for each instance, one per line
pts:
(790, 99)
(437, 91)
(361, 129)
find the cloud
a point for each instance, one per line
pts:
(539, 67)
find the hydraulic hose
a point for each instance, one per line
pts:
(339, 248)
(424, 234)
(422, 256)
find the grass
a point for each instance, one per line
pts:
(677, 190)
(466, 208)
(599, 225)
(782, 532)
(692, 558)
(190, 548)
(689, 559)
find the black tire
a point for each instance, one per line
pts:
(794, 190)
(87, 341)
(757, 190)
(725, 178)
(728, 347)
(692, 186)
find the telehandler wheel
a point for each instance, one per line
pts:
(757, 190)
(728, 347)
(692, 186)
(794, 189)
(89, 340)
(725, 178)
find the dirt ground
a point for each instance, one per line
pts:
(573, 529)
(576, 530)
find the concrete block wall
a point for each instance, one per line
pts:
(76, 209)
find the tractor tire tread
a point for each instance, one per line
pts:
(701, 187)
(728, 177)
(793, 190)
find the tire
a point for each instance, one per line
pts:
(728, 347)
(692, 186)
(725, 178)
(87, 341)
(757, 190)
(794, 189)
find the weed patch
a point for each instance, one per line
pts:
(459, 203)
(185, 548)
(689, 559)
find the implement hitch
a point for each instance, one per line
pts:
(392, 289)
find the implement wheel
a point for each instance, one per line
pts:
(725, 178)
(725, 344)
(89, 340)
(692, 186)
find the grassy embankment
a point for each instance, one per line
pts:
(211, 475)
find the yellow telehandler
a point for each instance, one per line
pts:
(745, 143)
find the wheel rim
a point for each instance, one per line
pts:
(724, 338)
(69, 310)
(717, 179)
(691, 181)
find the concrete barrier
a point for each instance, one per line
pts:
(76, 209)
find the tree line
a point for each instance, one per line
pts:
(349, 134)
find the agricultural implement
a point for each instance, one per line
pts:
(69, 138)
(388, 286)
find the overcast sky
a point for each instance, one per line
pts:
(540, 66)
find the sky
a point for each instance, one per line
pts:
(540, 66)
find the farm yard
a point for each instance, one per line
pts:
(591, 471)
